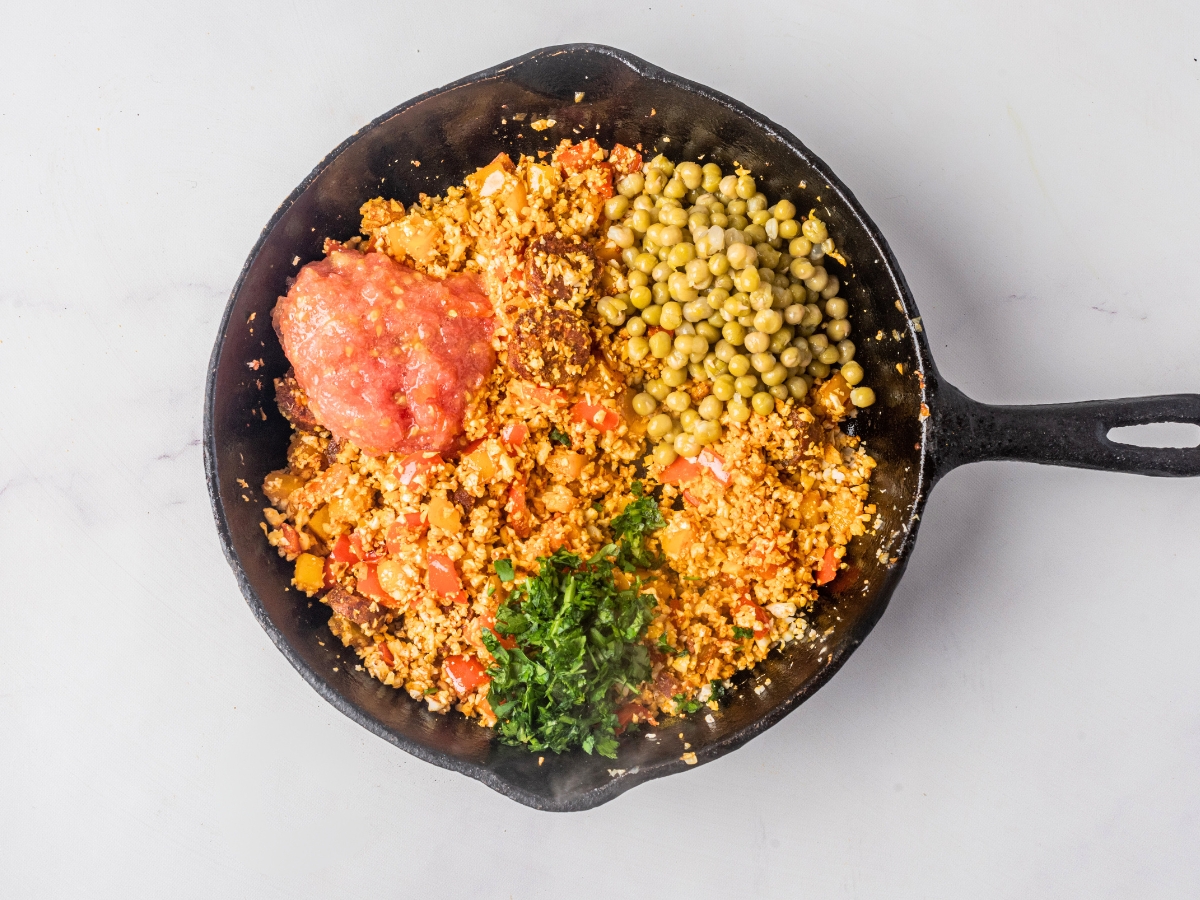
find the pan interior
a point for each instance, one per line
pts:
(450, 133)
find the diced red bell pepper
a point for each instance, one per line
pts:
(444, 580)
(403, 530)
(762, 623)
(368, 586)
(465, 674)
(625, 160)
(416, 465)
(627, 712)
(599, 417)
(579, 156)
(488, 621)
(691, 498)
(518, 511)
(600, 180)
(386, 652)
(715, 465)
(330, 574)
(828, 570)
(681, 471)
(343, 551)
(514, 434)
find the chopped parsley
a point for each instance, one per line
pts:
(637, 520)
(666, 648)
(560, 437)
(504, 568)
(686, 706)
(578, 642)
(717, 688)
(740, 632)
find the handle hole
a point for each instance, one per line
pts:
(1181, 435)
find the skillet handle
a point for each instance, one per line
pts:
(1061, 434)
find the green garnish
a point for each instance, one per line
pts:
(578, 639)
(686, 706)
(718, 689)
(664, 647)
(504, 568)
(560, 437)
(740, 632)
(638, 519)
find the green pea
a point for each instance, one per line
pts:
(802, 268)
(674, 377)
(734, 333)
(780, 340)
(640, 296)
(818, 369)
(776, 375)
(636, 326)
(643, 404)
(763, 362)
(837, 308)
(696, 311)
(800, 247)
(763, 403)
(672, 316)
(638, 348)
(778, 391)
(814, 229)
(829, 356)
(645, 262)
(707, 432)
(687, 445)
(660, 344)
(838, 330)
(677, 401)
(746, 187)
(614, 207)
(652, 315)
(757, 342)
(737, 410)
(690, 174)
(657, 389)
(723, 389)
(708, 331)
(688, 419)
(797, 387)
(852, 372)
(768, 321)
(846, 351)
(664, 454)
(739, 365)
(862, 397)
(746, 385)
(660, 292)
(760, 217)
(713, 367)
(676, 359)
(788, 229)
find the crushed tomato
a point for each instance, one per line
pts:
(465, 674)
(599, 417)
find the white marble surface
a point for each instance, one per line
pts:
(1025, 721)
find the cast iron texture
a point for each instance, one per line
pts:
(462, 126)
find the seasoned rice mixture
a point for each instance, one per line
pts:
(575, 379)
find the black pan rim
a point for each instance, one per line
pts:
(619, 785)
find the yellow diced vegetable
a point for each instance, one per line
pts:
(277, 486)
(310, 573)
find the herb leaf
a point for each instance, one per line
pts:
(636, 521)
(578, 638)
(504, 568)
(560, 437)
(740, 632)
(686, 706)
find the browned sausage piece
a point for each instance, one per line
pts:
(355, 607)
(549, 345)
(558, 268)
(293, 402)
(803, 432)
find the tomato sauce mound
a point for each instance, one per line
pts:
(387, 356)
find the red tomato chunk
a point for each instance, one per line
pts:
(386, 355)
(599, 417)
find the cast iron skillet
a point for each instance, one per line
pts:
(920, 428)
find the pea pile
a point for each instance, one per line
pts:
(725, 289)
